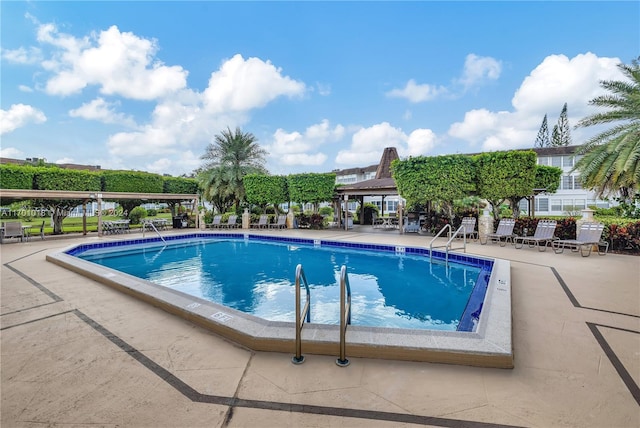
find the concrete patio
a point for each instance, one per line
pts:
(77, 353)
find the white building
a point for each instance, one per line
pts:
(569, 198)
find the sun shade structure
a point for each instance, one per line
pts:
(97, 196)
(382, 185)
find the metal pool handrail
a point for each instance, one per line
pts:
(301, 314)
(452, 236)
(345, 315)
(153, 226)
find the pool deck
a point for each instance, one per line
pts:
(78, 353)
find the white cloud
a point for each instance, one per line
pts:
(64, 160)
(25, 88)
(22, 55)
(18, 116)
(243, 85)
(294, 148)
(555, 81)
(102, 111)
(416, 93)
(324, 89)
(367, 144)
(11, 152)
(118, 63)
(478, 70)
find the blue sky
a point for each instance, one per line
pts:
(322, 85)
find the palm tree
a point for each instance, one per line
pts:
(611, 161)
(229, 158)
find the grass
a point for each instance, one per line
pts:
(74, 224)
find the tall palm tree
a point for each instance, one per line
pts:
(229, 158)
(611, 161)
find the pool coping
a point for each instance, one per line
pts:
(490, 345)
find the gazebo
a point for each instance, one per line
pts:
(382, 185)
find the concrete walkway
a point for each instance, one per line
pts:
(77, 353)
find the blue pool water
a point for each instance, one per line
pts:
(258, 277)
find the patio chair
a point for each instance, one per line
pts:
(215, 223)
(281, 223)
(589, 236)
(468, 227)
(411, 225)
(505, 230)
(542, 237)
(12, 229)
(231, 222)
(262, 223)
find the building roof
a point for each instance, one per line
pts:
(383, 184)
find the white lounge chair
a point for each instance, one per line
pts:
(215, 223)
(505, 230)
(281, 223)
(262, 223)
(589, 236)
(542, 237)
(231, 222)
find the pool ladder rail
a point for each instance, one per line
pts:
(150, 224)
(304, 314)
(448, 245)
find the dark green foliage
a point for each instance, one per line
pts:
(312, 188)
(66, 179)
(132, 181)
(137, 214)
(562, 134)
(548, 177)
(16, 177)
(440, 178)
(313, 221)
(542, 140)
(180, 185)
(263, 190)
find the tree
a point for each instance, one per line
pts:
(506, 175)
(542, 140)
(610, 164)
(229, 158)
(443, 179)
(263, 190)
(561, 135)
(312, 187)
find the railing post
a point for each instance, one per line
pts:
(301, 314)
(345, 316)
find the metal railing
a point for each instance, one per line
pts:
(448, 246)
(345, 315)
(152, 226)
(301, 314)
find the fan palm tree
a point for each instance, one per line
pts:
(229, 158)
(611, 159)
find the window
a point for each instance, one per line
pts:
(567, 161)
(544, 160)
(556, 205)
(579, 204)
(576, 183)
(542, 204)
(351, 178)
(567, 182)
(370, 175)
(556, 161)
(392, 206)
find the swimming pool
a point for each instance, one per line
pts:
(389, 289)
(488, 344)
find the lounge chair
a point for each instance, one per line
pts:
(215, 223)
(231, 222)
(281, 223)
(542, 237)
(262, 223)
(505, 230)
(12, 229)
(468, 227)
(411, 225)
(589, 236)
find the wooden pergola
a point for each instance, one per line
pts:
(85, 197)
(382, 185)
